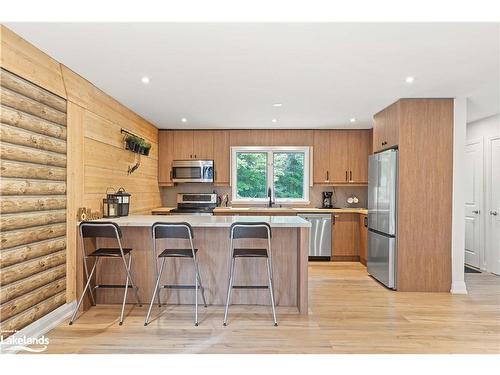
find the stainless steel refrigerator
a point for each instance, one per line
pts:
(382, 219)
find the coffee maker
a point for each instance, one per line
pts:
(327, 199)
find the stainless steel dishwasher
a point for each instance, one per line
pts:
(320, 240)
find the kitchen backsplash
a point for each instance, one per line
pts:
(168, 194)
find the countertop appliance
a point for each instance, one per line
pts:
(195, 204)
(320, 238)
(192, 171)
(382, 220)
(327, 199)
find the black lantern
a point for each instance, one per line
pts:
(123, 201)
(110, 207)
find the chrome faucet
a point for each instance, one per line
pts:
(269, 194)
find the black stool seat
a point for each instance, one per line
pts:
(177, 253)
(250, 253)
(109, 252)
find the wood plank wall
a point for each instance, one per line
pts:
(105, 161)
(32, 202)
(95, 160)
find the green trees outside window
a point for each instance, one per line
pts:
(287, 175)
(251, 172)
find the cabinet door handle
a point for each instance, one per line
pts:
(327, 176)
(494, 213)
(346, 176)
(190, 156)
(215, 175)
(195, 156)
(475, 211)
(350, 176)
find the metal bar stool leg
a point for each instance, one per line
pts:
(269, 272)
(155, 290)
(126, 290)
(155, 260)
(197, 269)
(83, 294)
(132, 282)
(85, 267)
(195, 295)
(229, 289)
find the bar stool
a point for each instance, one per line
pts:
(250, 230)
(183, 231)
(105, 229)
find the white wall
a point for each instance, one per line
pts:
(485, 129)
(458, 209)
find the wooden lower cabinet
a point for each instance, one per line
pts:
(363, 238)
(345, 237)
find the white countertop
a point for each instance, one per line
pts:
(208, 221)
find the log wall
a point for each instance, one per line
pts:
(32, 202)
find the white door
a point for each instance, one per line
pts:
(473, 201)
(494, 205)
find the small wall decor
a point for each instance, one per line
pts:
(86, 214)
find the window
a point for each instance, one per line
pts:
(284, 170)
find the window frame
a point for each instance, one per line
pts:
(270, 150)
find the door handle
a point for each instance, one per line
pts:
(476, 212)
(327, 176)
(190, 156)
(494, 213)
(350, 176)
(346, 176)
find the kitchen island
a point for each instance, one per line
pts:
(290, 249)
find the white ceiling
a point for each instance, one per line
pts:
(225, 75)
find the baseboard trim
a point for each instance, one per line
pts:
(39, 327)
(458, 287)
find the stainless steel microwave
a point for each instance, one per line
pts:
(192, 171)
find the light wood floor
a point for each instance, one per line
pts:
(348, 313)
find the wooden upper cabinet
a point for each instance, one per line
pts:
(222, 157)
(193, 144)
(339, 156)
(392, 125)
(321, 158)
(203, 145)
(378, 131)
(165, 157)
(386, 127)
(359, 150)
(251, 138)
(183, 144)
(291, 137)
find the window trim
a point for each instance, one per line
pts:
(270, 173)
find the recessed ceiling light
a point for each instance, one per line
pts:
(184, 119)
(352, 120)
(277, 104)
(409, 79)
(274, 120)
(145, 80)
